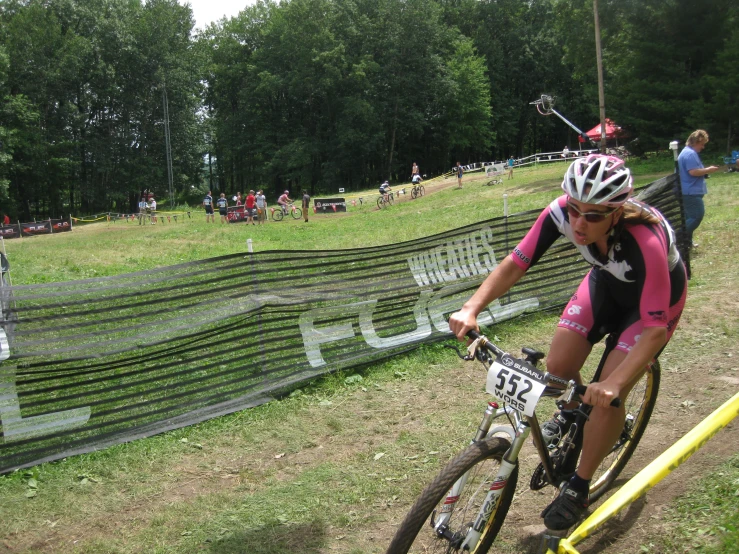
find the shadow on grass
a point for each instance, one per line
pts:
(603, 537)
(306, 538)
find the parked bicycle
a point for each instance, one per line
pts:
(417, 191)
(385, 200)
(280, 212)
(463, 509)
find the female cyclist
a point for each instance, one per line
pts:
(635, 289)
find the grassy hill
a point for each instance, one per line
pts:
(335, 466)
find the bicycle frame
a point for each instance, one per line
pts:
(647, 478)
(521, 426)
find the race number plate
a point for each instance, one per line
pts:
(515, 383)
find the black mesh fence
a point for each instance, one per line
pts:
(91, 363)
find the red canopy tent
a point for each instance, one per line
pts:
(613, 131)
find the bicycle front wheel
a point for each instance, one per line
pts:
(297, 213)
(390, 198)
(482, 461)
(421, 190)
(639, 405)
(277, 215)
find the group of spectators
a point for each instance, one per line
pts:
(147, 206)
(255, 204)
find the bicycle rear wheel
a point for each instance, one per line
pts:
(277, 215)
(296, 213)
(482, 461)
(639, 405)
(414, 193)
(380, 203)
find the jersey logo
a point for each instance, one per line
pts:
(574, 309)
(524, 258)
(618, 270)
(659, 315)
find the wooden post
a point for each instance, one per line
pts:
(601, 94)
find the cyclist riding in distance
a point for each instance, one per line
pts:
(284, 200)
(635, 289)
(384, 190)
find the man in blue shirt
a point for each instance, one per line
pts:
(693, 180)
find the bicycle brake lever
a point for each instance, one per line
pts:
(450, 347)
(471, 350)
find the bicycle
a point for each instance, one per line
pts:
(417, 191)
(383, 201)
(464, 508)
(292, 209)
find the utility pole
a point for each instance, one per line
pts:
(168, 147)
(601, 94)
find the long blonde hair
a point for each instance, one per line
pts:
(638, 212)
(697, 137)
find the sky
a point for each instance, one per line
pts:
(208, 11)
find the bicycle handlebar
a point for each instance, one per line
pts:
(493, 349)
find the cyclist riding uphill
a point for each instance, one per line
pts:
(284, 200)
(636, 290)
(385, 189)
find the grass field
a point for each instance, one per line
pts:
(121, 247)
(334, 467)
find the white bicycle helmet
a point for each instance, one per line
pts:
(598, 179)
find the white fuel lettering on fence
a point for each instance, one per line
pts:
(15, 426)
(429, 310)
(458, 259)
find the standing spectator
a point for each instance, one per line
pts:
(459, 171)
(143, 208)
(565, 152)
(261, 207)
(284, 200)
(693, 181)
(251, 202)
(222, 204)
(153, 209)
(208, 205)
(6, 220)
(238, 199)
(511, 161)
(306, 205)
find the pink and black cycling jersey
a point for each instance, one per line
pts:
(641, 280)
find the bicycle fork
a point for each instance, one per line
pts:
(492, 499)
